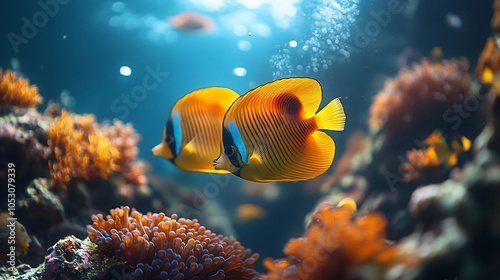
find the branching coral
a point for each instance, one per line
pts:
(170, 247)
(333, 244)
(17, 92)
(79, 150)
(125, 138)
(415, 101)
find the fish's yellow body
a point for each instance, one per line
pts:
(272, 132)
(191, 138)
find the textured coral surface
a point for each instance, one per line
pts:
(80, 150)
(332, 246)
(170, 247)
(17, 92)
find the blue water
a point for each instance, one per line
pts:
(80, 46)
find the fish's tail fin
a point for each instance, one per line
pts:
(332, 116)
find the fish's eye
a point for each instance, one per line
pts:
(229, 150)
(169, 139)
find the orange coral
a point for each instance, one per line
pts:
(80, 150)
(414, 165)
(17, 92)
(332, 245)
(162, 247)
(417, 98)
(125, 138)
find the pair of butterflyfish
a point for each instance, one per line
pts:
(271, 133)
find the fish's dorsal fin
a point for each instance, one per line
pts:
(307, 90)
(332, 116)
(435, 138)
(221, 96)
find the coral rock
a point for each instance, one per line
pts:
(72, 258)
(41, 209)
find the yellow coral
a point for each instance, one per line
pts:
(17, 92)
(80, 150)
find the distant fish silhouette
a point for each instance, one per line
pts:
(192, 22)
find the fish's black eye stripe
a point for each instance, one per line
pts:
(169, 128)
(227, 140)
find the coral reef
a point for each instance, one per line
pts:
(495, 21)
(23, 143)
(80, 150)
(332, 247)
(458, 235)
(488, 65)
(12, 235)
(21, 272)
(170, 247)
(415, 100)
(17, 92)
(40, 208)
(355, 145)
(72, 258)
(125, 139)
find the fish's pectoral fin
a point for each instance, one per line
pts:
(190, 147)
(332, 116)
(163, 150)
(255, 159)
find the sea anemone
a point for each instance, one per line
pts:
(170, 247)
(417, 98)
(332, 246)
(17, 92)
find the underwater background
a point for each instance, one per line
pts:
(93, 57)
